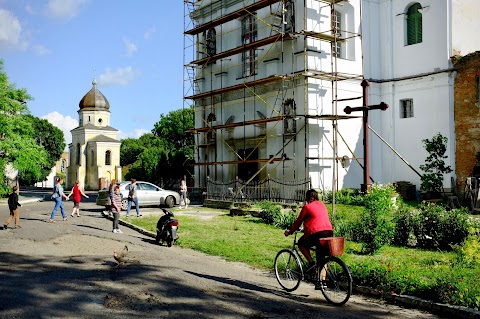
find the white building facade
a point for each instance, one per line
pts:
(269, 81)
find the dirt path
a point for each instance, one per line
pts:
(66, 270)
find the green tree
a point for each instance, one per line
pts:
(49, 137)
(17, 147)
(163, 156)
(172, 130)
(434, 167)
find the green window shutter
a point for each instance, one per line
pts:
(414, 24)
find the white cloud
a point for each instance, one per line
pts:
(64, 123)
(10, 32)
(121, 76)
(130, 47)
(135, 134)
(148, 35)
(64, 9)
(41, 50)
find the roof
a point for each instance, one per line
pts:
(90, 126)
(103, 138)
(94, 99)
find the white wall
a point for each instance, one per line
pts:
(465, 25)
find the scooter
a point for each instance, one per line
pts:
(167, 229)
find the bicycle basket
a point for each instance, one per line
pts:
(335, 245)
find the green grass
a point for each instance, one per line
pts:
(423, 273)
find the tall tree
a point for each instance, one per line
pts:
(17, 147)
(49, 137)
(163, 156)
(172, 130)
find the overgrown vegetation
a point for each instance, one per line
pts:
(274, 214)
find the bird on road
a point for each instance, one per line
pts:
(121, 257)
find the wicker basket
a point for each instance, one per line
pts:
(335, 245)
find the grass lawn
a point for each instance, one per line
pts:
(428, 274)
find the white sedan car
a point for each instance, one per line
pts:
(148, 195)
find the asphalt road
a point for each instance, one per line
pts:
(66, 270)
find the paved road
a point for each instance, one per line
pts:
(66, 270)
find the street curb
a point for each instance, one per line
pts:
(129, 225)
(418, 303)
(405, 300)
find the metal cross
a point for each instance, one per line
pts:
(365, 108)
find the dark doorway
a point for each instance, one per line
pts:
(247, 170)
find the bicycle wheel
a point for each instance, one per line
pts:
(288, 270)
(335, 281)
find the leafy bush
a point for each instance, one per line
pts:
(430, 226)
(273, 214)
(346, 196)
(468, 254)
(376, 227)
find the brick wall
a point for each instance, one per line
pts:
(467, 116)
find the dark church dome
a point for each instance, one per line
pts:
(94, 99)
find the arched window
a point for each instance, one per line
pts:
(78, 154)
(108, 158)
(414, 24)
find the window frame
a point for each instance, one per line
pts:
(337, 19)
(414, 24)
(108, 157)
(249, 35)
(406, 108)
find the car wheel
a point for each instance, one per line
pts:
(169, 201)
(124, 204)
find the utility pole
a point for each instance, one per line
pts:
(365, 187)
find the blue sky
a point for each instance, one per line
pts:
(135, 48)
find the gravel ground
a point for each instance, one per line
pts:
(66, 270)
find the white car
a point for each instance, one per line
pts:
(148, 195)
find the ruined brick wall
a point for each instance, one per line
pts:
(467, 115)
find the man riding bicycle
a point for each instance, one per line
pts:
(316, 224)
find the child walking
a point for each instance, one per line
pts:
(116, 208)
(13, 205)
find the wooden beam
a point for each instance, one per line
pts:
(231, 16)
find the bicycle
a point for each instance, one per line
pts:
(331, 275)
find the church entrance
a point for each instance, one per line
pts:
(247, 170)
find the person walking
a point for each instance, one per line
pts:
(111, 190)
(76, 194)
(132, 198)
(183, 194)
(13, 205)
(116, 208)
(58, 196)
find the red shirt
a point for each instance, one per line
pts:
(76, 194)
(314, 217)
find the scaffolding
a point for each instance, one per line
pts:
(246, 93)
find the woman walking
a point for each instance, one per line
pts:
(183, 194)
(77, 197)
(58, 196)
(13, 205)
(132, 198)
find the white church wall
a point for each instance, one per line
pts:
(464, 25)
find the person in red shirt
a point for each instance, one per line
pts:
(316, 225)
(77, 194)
